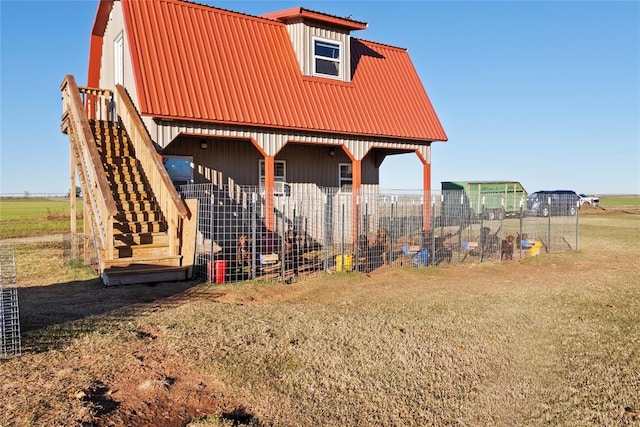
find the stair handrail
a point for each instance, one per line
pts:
(97, 105)
(170, 202)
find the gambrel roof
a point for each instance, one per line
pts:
(200, 63)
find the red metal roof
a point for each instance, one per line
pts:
(196, 62)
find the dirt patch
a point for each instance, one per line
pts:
(152, 386)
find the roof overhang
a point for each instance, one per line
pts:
(299, 12)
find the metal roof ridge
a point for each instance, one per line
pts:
(227, 11)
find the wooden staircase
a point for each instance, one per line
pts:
(141, 242)
(131, 207)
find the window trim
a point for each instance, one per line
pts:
(118, 59)
(339, 60)
(280, 182)
(342, 180)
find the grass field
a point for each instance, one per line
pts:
(620, 200)
(550, 340)
(26, 217)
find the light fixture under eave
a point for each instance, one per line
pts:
(203, 145)
(332, 152)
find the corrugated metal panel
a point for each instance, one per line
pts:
(201, 63)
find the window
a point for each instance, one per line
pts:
(118, 60)
(180, 169)
(279, 178)
(327, 58)
(345, 177)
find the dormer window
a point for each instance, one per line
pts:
(327, 58)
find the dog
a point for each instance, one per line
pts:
(488, 241)
(363, 254)
(243, 254)
(507, 248)
(381, 247)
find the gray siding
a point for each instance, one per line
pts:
(223, 159)
(238, 160)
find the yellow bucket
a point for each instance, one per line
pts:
(535, 249)
(347, 262)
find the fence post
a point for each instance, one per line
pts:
(325, 227)
(283, 236)
(357, 236)
(210, 264)
(577, 222)
(521, 220)
(342, 239)
(482, 239)
(461, 226)
(502, 215)
(548, 245)
(431, 254)
(254, 226)
(392, 224)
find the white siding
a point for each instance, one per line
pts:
(302, 34)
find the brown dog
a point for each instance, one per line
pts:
(507, 247)
(243, 255)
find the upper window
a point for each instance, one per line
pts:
(118, 59)
(346, 177)
(327, 58)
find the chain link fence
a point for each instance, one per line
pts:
(311, 230)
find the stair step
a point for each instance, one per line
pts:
(144, 262)
(154, 250)
(143, 274)
(139, 216)
(123, 171)
(113, 152)
(120, 161)
(128, 187)
(122, 179)
(126, 197)
(136, 205)
(140, 239)
(139, 227)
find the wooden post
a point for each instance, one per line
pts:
(426, 191)
(86, 232)
(72, 191)
(72, 202)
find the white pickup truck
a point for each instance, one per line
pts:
(589, 200)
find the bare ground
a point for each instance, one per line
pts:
(140, 355)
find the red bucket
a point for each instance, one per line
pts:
(216, 271)
(220, 270)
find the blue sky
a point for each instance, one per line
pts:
(545, 93)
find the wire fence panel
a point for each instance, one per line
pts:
(9, 312)
(303, 229)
